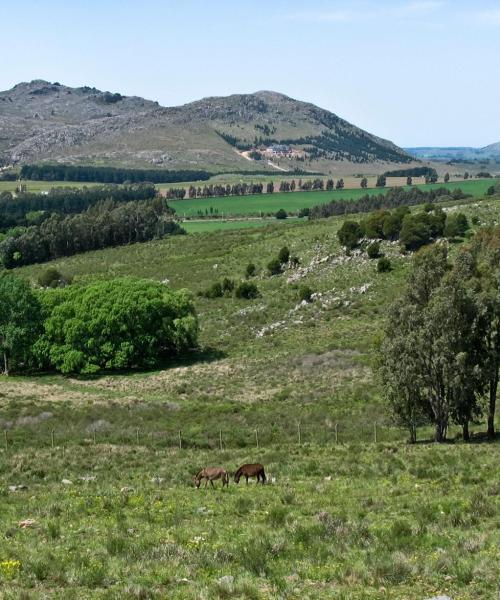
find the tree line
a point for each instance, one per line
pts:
(85, 328)
(413, 172)
(391, 199)
(26, 208)
(109, 174)
(439, 359)
(413, 230)
(106, 224)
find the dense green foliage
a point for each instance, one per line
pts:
(412, 172)
(349, 234)
(28, 209)
(393, 198)
(119, 324)
(246, 290)
(103, 225)
(108, 174)
(20, 320)
(441, 353)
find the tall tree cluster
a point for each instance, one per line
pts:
(118, 324)
(440, 356)
(101, 226)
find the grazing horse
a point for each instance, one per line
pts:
(210, 474)
(254, 470)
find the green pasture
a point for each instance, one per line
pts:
(263, 204)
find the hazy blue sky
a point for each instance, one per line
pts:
(417, 72)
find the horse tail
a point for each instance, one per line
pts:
(263, 475)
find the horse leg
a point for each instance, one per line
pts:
(246, 476)
(212, 483)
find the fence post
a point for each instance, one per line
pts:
(298, 431)
(52, 438)
(257, 437)
(220, 439)
(94, 436)
(6, 439)
(375, 432)
(137, 435)
(180, 440)
(336, 433)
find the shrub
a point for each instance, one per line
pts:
(51, 277)
(373, 250)
(247, 290)
(384, 265)
(456, 225)
(227, 286)
(281, 214)
(349, 234)
(214, 291)
(304, 212)
(284, 255)
(274, 267)
(250, 270)
(305, 293)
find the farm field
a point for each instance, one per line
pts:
(109, 490)
(203, 226)
(41, 186)
(293, 201)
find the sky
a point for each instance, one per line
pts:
(417, 72)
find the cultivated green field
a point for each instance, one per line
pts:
(108, 461)
(225, 225)
(294, 201)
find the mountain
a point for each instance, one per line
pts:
(42, 121)
(491, 152)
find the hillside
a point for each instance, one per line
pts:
(42, 121)
(103, 465)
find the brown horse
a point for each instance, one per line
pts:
(253, 470)
(210, 474)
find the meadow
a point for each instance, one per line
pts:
(263, 204)
(107, 461)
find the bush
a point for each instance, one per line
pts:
(52, 278)
(250, 270)
(284, 255)
(227, 286)
(305, 293)
(304, 212)
(456, 225)
(373, 250)
(349, 234)
(384, 265)
(214, 291)
(274, 267)
(281, 214)
(247, 290)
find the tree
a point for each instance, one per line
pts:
(364, 183)
(284, 255)
(281, 214)
(20, 321)
(446, 177)
(409, 180)
(349, 234)
(381, 181)
(118, 324)
(466, 175)
(51, 277)
(340, 184)
(329, 185)
(270, 187)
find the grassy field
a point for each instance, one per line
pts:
(294, 201)
(41, 186)
(204, 226)
(110, 493)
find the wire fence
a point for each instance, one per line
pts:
(298, 434)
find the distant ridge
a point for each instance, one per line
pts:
(43, 121)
